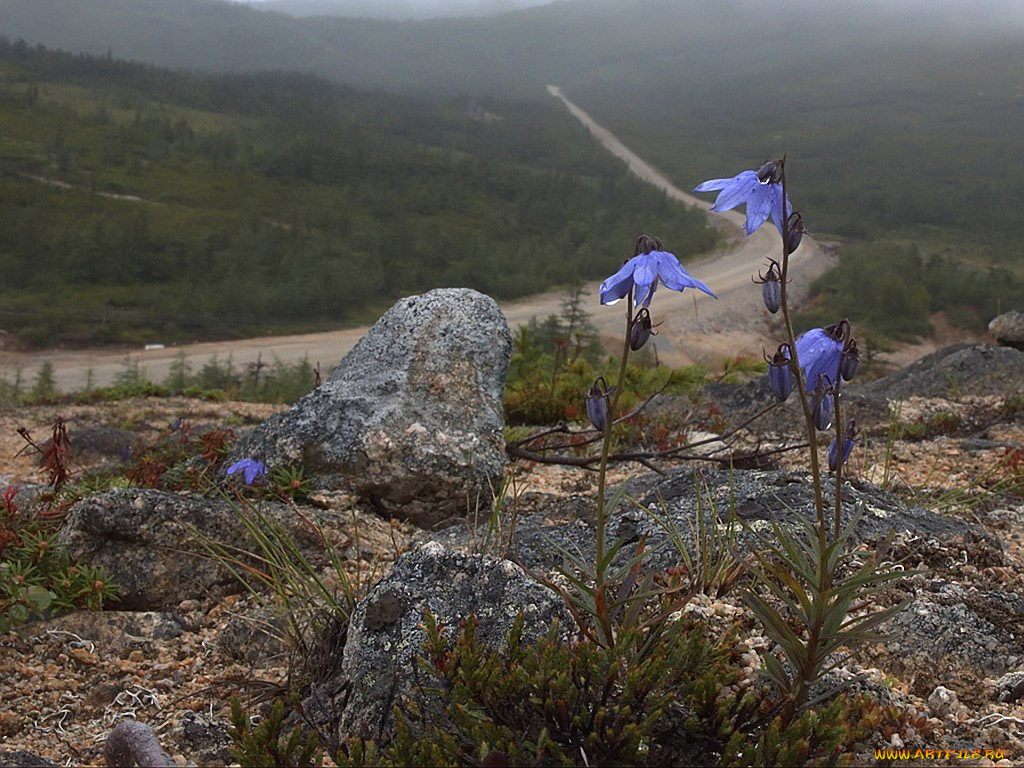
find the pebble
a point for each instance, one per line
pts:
(943, 702)
(83, 656)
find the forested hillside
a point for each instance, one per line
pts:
(898, 119)
(140, 204)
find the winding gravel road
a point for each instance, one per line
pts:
(695, 327)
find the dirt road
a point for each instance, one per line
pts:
(695, 327)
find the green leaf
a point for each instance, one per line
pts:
(38, 598)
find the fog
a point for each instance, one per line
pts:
(965, 16)
(395, 9)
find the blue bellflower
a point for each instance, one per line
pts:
(819, 353)
(251, 469)
(762, 198)
(643, 272)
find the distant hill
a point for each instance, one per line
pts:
(141, 204)
(898, 118)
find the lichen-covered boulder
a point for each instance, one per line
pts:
(378, 668)
(1008, 329)
(412, 417)
(151, 542)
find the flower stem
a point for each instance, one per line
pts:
(606, 448)
(812, 435)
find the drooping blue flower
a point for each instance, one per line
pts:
(819, 352)
(762, 198)
(251, 469)
(643, 272)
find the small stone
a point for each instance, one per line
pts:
(896, 742)
(84, 656)
(943, 702)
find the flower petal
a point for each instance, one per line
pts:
(645, 276)
(759, 206)
(675, 277)
(737, 192)
(712, 185)
(618, 285)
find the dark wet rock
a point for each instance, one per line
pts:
(951, 372)
(151, 542)
(253, 636)
(759, 497)
(378, 669)
(1010, 687)
(1008, 329)
(204, 740)
(23, 759)
(412, 417)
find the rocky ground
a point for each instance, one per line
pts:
(950, 457)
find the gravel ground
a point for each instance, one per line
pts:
(66, 682)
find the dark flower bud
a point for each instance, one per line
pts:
(823, 406)
(849, 436)
(780, 376)
(641, 329)
(770, 172)
(839, 331)
(771, 286)
(850, 360)
(646, 244)
(597, 404)
(794, 231)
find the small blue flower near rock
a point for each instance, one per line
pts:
(251, 470)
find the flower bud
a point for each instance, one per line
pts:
(850, 360)
(646, 244)
(823, 404)
(640, 329)
(771, 286)
(597, 404)
(794, 231)
(848, 439)
(780, 377)
(770, 172)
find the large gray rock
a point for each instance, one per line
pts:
(412, 417)
(147, 541)
(378, 667)
(1008, 329)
